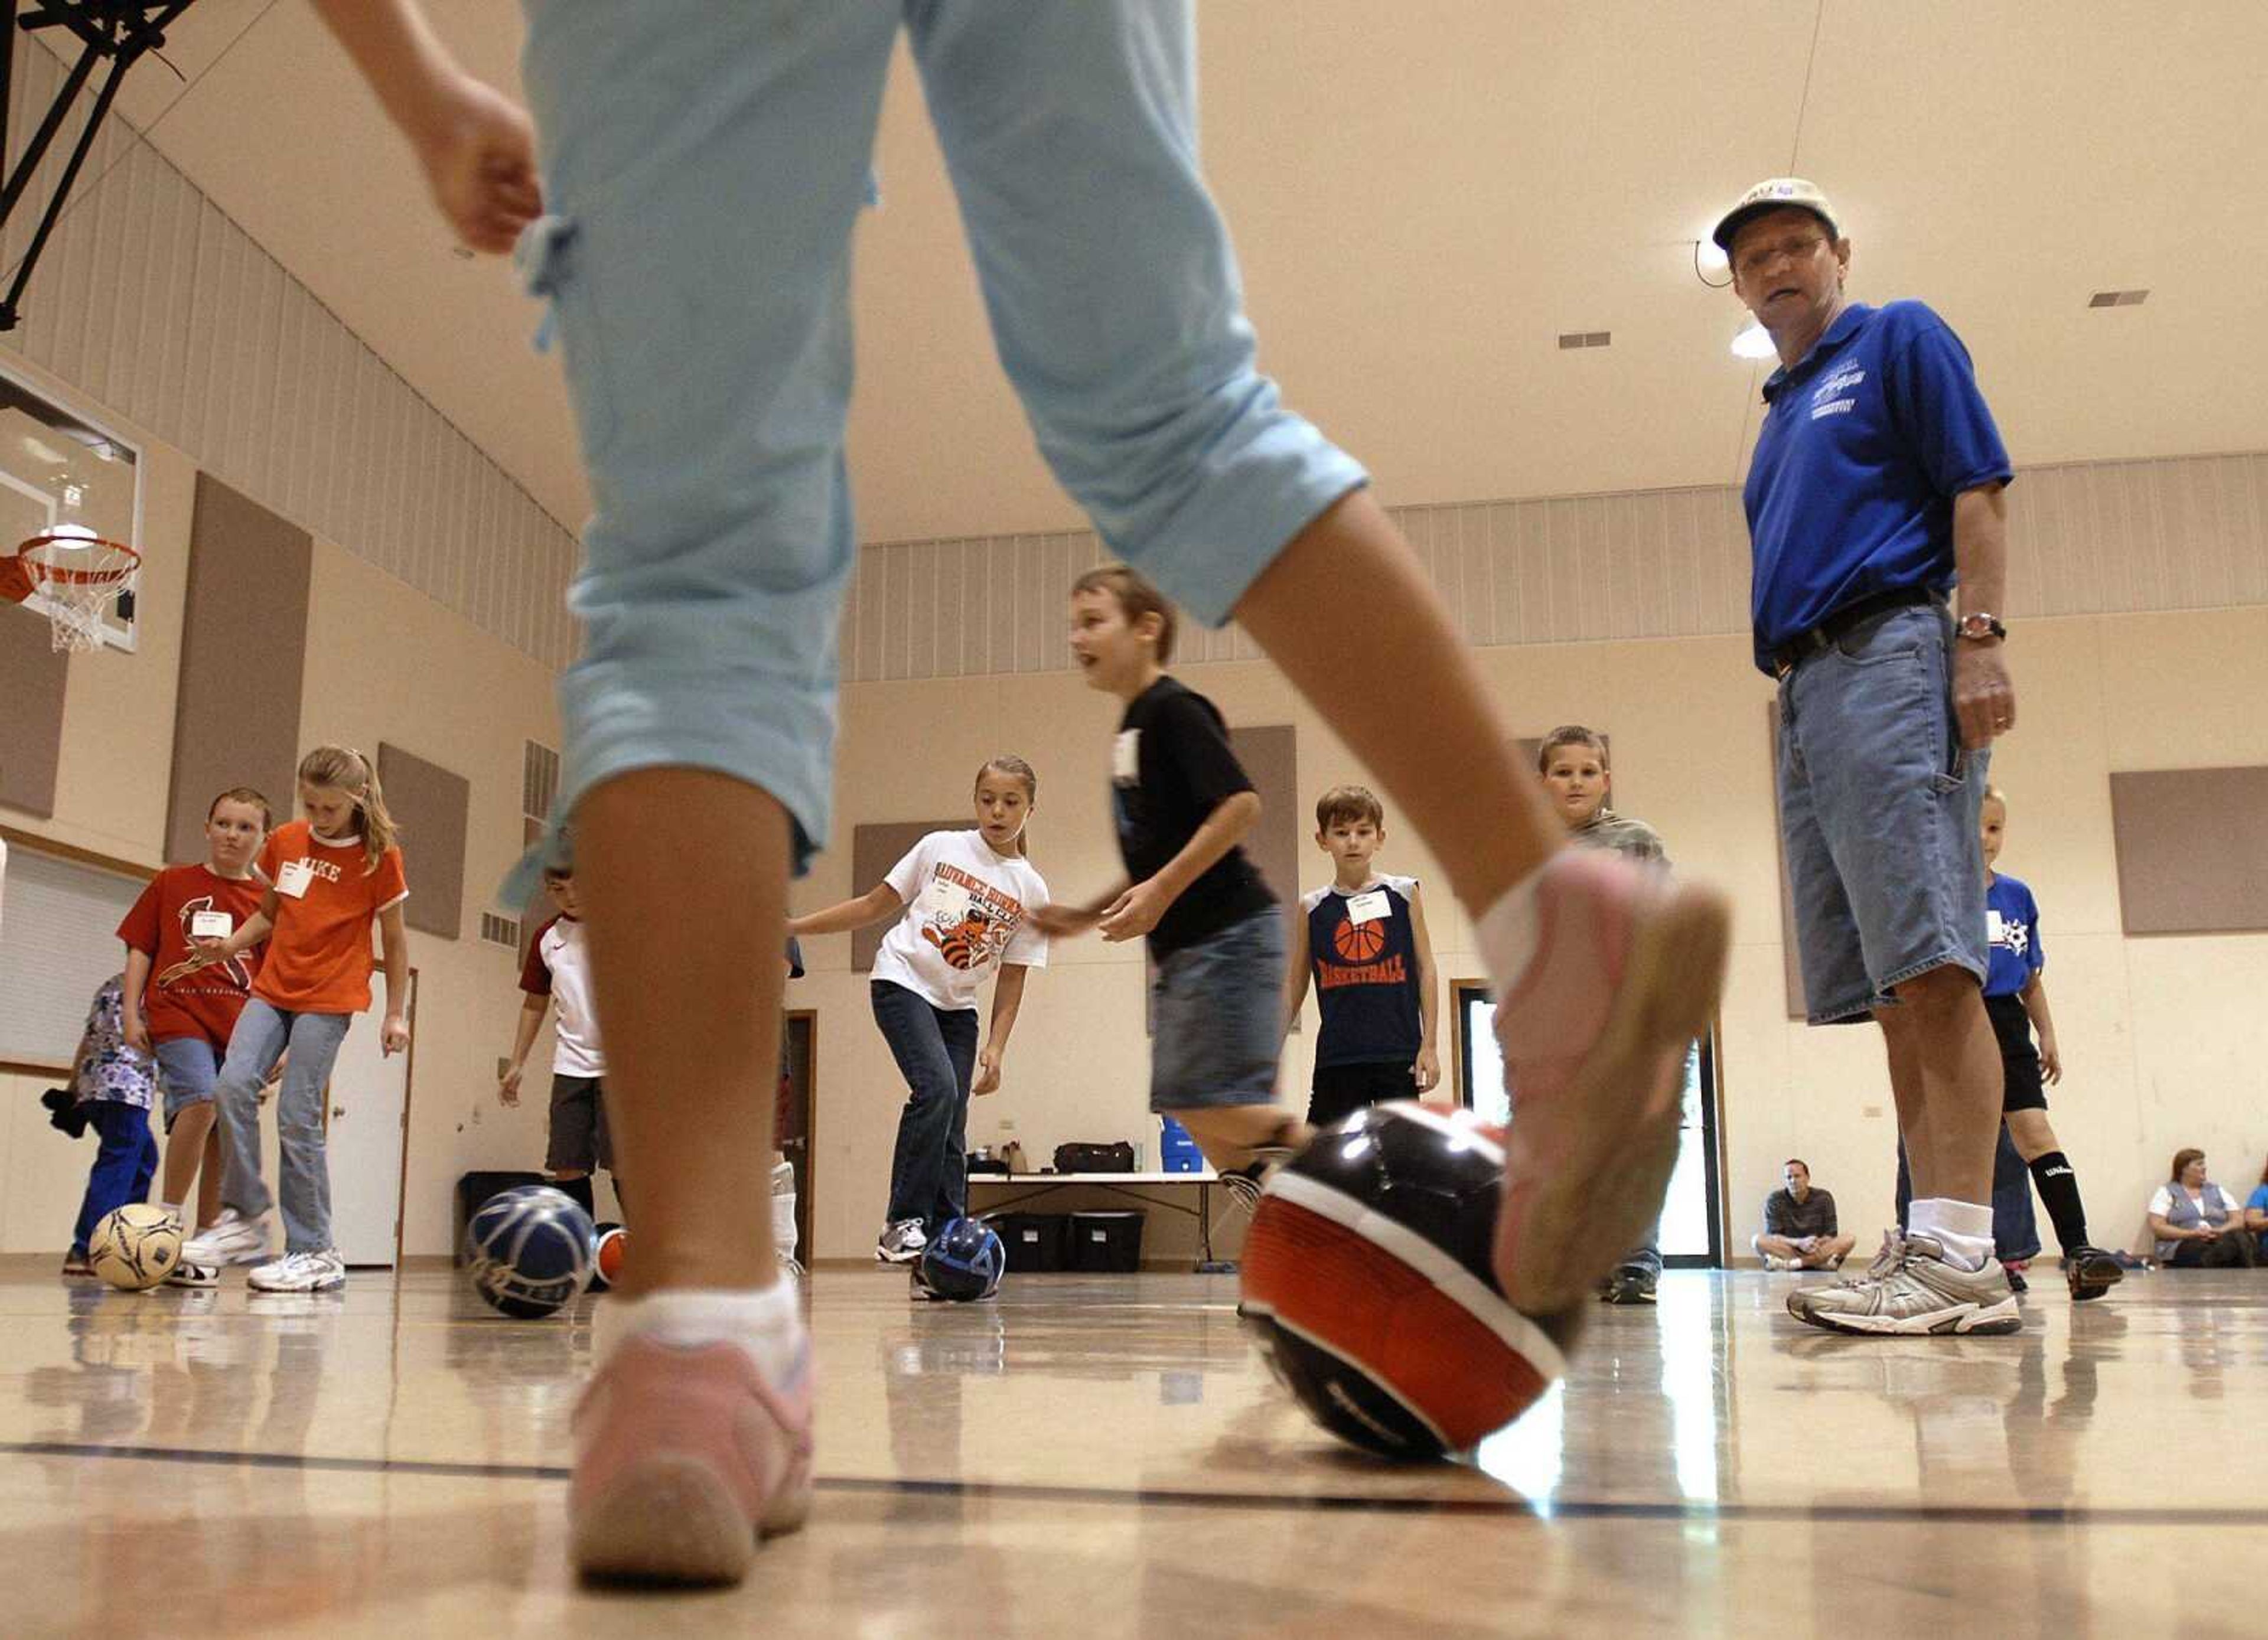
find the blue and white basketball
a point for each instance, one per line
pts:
(963, 1261)
(530, 1250)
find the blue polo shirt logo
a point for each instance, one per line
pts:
(1865, 441)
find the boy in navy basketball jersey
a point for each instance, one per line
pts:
(1363, 939)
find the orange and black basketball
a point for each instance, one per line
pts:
(1359, 942)
(1367, 1279)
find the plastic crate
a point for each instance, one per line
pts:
(1035, 1243)
(1107, 1243)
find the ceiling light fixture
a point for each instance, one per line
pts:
(1755, 343)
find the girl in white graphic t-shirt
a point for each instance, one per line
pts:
(967, 897)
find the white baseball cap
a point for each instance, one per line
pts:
(1774, 193)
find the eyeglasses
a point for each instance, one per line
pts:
(1757, 258)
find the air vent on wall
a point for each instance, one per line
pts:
(2118, 298)
(1573, 339)
(499, 930)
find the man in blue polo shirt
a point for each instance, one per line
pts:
(1875, 498)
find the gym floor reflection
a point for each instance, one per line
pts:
(1106, 1455)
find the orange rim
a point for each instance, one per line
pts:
(43, 574)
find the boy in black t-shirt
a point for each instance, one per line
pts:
(1363, 940)
(1183, 802)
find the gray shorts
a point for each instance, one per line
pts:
(1878, 809)
(580, 1142)
(1215, 1024)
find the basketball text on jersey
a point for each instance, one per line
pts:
(1329, 976)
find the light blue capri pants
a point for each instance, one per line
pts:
(704, 163)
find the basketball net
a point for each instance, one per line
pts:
(77, 574)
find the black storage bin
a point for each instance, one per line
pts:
(1110, 1242)
(474, 1189)
(1036, 1243)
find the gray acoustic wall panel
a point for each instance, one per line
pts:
(2192, 847)
(432, 806)
(244, 652)
(30, 712)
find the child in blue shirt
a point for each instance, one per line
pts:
(2016, 1001)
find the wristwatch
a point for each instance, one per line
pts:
(1980, 628)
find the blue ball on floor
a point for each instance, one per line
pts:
(530, 1251)
(963, 1261)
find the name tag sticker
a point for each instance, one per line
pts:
(944, 901)
(293, 879)
(1126, 757)
(1369, 907)
(210, 925)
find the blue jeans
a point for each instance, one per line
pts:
(262, 1033)
(1878, 805)
(123, 1166)
(705, 162)
(936, 1051)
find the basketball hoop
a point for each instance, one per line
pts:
(75, 575)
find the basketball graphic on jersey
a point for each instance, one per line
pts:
(1359, 942)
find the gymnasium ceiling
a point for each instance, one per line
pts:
(1423, 205)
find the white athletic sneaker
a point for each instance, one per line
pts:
(188, 1274)
(232, 1239)
(1777, 1264)
(901, 1243)
(300, 1272)
(1918, 1293)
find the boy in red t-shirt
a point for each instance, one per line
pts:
(186, 1025)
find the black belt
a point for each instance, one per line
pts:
(1812, 640)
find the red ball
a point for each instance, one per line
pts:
(611, 1246)
(1367, 1277)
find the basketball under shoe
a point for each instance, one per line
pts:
(686, 1459)
(1918, 1293)
(1626, 971)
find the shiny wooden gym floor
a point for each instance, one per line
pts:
(1105, 1456)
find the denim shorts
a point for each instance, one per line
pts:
(1878, 808)
(704, 163)
(188, 1071)
(1217, 1017)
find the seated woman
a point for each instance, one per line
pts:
(2198, 1224)
(2256, 1212)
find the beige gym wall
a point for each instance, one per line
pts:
(383, 662)
(2159, 1034)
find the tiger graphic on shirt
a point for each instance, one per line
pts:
(967, 919)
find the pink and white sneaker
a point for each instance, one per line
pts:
(1627, 971)
(686, 1458)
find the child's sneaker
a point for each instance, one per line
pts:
(902, 1242)
(685, 1458)
(232, 1239)
(188, 1274)
(75, 1263)
(1626, 973)
(300, 1272)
